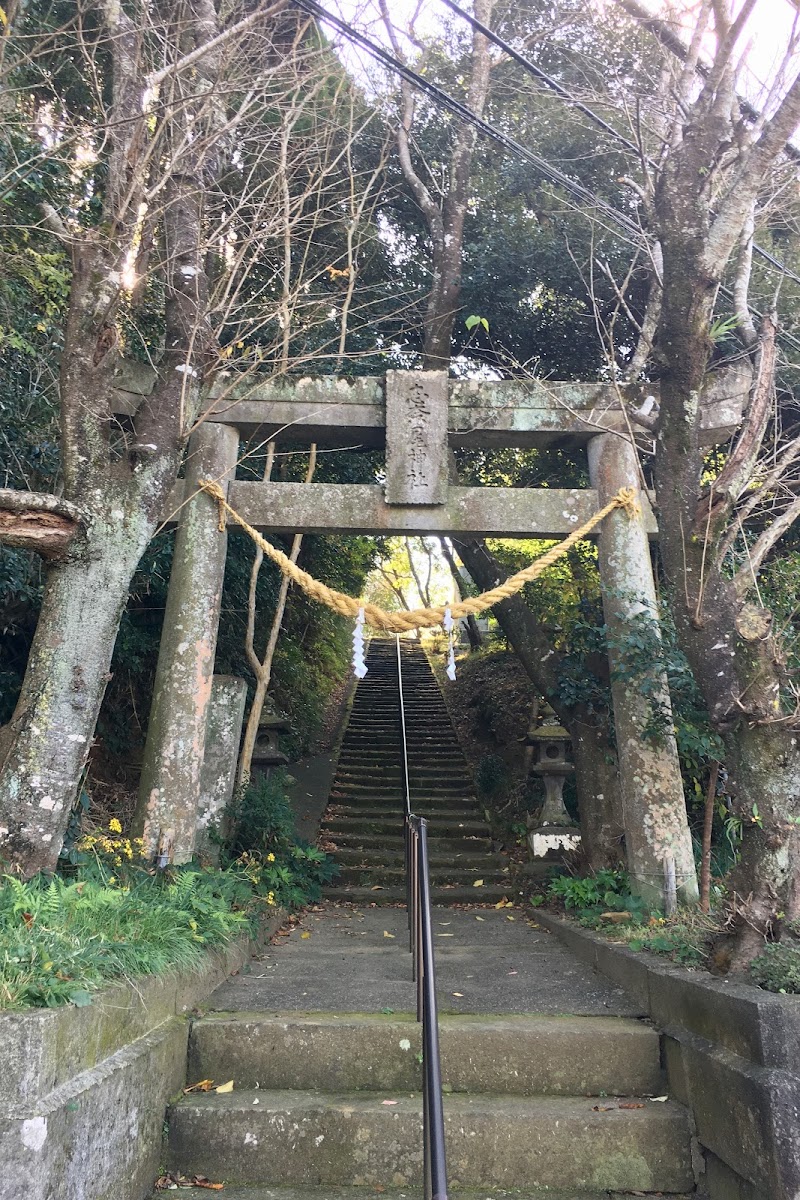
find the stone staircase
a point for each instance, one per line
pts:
(364, 821)
(331, 1101)
(553, 1086)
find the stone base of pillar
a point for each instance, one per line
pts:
(218, 773)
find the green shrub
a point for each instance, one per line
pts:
(117, 916)
(60, 939)
(605, 889)
(777, 968)
(684, 941)
(491, 777)
(263, 843)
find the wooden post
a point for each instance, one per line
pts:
(670, 888)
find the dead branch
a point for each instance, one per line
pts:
(43, 523)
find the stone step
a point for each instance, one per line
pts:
(254, 1192)
(420, 787)
(302, 1137)
(357, 839)
(454, 798)
(523, 1056)
(357, 757)
(376, 715)
(360, 774)
(392, 806)
(366, 876)
(450, 819)
(444, 895)
(390, 856)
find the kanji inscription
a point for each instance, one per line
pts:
(416, 437)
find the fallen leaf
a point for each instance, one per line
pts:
(509, 917)
(458, 994)
(659, 1099)
(445, 935)
(500, 904)
(305, 935)
(388, 1102)
(225, 1087)
(616, 918)
(512, 972)
(173, 1181)
(480, 918)
(630, 1104)
(377, 888)
(387, 934)
(205, 1085)
(478, 883)
(602, 1108)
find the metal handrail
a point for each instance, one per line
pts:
(418, 903)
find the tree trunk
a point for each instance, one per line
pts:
(473, 632)
(55, 717)
(597, 785)
(596, 771)
(764, 778)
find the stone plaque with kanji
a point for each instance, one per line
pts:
(416, 437)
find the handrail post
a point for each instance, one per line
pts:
(418, 904)
(436, 1170)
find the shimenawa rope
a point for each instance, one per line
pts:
(418, 618)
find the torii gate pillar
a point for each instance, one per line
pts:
(654, 808)
(176, 732)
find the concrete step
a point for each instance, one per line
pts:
(523, 1056)
(376, 820)
(302, 1137)
(379, 720)
(348, 792)
(359, 755)
(438, 857)
(356, 839)
(254, 1192)
(445, 895)
(392, 806)
(376, 872)
(445, 777)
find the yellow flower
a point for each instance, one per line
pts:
(114, 825)
(270, 897)
(270, 858)
(111, 880)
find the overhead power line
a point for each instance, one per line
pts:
(632, 232)
(445, 100)
(532, 69)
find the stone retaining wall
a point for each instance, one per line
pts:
(732, 1054)
(84, 1091)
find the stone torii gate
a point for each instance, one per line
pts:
(418, 416)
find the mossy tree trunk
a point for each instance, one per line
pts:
(716, 169)
(116, 480)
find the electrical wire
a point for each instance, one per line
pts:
(633, 233)
(531, 68)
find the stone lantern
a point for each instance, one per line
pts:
(554, 828)
(267, 753)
